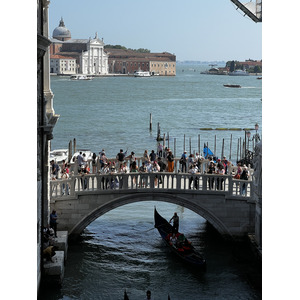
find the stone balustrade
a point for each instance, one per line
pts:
(162, 181)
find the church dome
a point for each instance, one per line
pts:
(61, 32)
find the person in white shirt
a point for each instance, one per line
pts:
(193, 170)
(64, 176)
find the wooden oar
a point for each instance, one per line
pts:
(154, 227)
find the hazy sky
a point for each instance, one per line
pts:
(191, 29)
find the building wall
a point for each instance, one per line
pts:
(46, 120)
(124, 66)
(165, 68)
(55, 48)
(128, 61)
(62, 66)
(94, 61)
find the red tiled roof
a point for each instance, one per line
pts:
(56, 56)
(251, 63)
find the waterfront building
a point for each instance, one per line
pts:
(89, 54)
(129, 61)
(46, 120)
(60, 64)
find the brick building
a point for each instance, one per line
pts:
(128, 61)
(88, 53)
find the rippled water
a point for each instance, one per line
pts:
(121, 250)
(114, 113)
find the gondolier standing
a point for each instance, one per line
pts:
(175, 219)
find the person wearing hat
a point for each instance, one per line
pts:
(182, 161)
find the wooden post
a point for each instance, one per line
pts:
(199, 144)
(240, 148)
(70, 151)
(183, 143)
(74, 141)
(245, 143)
(207, 149)
(215, 147)
(230, 147)
(222, 155)
(150, 122)
(158, 132)
(174, 147)
(168, 140)
(164, 142)
(237, 153)
(190, 145)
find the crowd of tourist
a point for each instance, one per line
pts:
(161, 160)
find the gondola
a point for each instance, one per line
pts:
(186, 253)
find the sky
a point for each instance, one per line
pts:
(192, 29)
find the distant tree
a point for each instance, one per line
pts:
(115, 47)
(232, 66)
(142, 50)
(257, 69)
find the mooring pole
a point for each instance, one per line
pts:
(237, 153)
(199, 144)
(207, 150)
(215, 147)
(240, 148)
(222, 155)
(174, 147)
(230, 147)
(150, 122)
(70, 151)
(158, 132)
(190, 145)
(74, 141)
(183, 143)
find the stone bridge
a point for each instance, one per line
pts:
(218, 198)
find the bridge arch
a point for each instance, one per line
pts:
(162, 197)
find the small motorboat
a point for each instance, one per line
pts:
(59, 155)
(238, 73)
(81, 77)
(140, 73)
(232, 85)
(184, 249)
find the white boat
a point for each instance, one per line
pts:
(59, 155)
(81, 77)
(87, 153)
(239, 73)
(140, 73)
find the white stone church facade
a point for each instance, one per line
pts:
(89, 53)
(94, 61)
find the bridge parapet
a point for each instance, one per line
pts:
(161, 181)
(177, 166)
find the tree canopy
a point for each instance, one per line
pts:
(140, 50)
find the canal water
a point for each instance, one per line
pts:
(121, 249)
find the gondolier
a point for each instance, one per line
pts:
(185, 250)
(175, 219)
